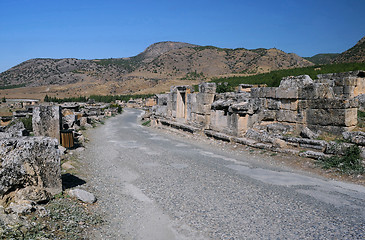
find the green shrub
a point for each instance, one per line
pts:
(349, 163)
(273, 78)
(27, 121)
(147, 123)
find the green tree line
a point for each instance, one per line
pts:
(96, 98)
(273, 78)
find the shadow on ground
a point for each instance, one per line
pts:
(71, 181)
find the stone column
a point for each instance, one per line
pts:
(47, 121)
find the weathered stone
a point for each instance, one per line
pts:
(313, 154)
(244, 141)
(67, 166)
(335, 117)
(82, 195)
(307, 143)
(278, 143)
(337, 148)
(30, 161)
(332, 104)
(355, 137)
(263, 92)
(68, 121)
(273, 104)
(259, 136)
(290, 116)
(279, 128)
(207, 88)
(268, 115)
(307, 133)
(22, 208)
(298, 81)
(316, 91)
(14, 129)
(31, 193)
(47, 121)
(287, 93)
(217, 135)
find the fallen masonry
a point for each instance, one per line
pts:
(270, 117)
(30, 170)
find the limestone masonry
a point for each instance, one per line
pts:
(299, 106)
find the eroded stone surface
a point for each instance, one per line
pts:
(30, 162)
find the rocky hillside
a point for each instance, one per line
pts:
(211, 61)
(161, 61)
(323, 58)
(354, 54)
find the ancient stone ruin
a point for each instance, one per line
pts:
(30, 170)
(270, 115)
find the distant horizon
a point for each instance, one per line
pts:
(117, 29)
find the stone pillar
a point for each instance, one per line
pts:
(47, 121)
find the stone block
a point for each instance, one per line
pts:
(285, 104)
(268, 115)
(218, 120)
(279, 128)
(338, 90)
(68, 121)
(263, 92)
(204, 98)
(298, 81)
(289, 116)
(334, 117)
(287, 93)
(269, 92)
(30, 162)
(273, 104)
(332, 103)
(207, 88)
(47, 121)
(348, 91)
(355, 137)
(302, 104)
(316, 91)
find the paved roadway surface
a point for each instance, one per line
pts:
(154, 185)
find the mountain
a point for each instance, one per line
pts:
(322, 58)
(159, 64)
(354, 54)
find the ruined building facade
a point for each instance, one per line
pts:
(326, 104)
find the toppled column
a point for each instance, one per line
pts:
(47, 121)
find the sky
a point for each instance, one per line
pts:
(94, 29)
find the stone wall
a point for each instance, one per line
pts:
(326, 104)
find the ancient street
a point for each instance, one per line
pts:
(154, 185)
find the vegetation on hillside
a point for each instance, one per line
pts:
(323, 58)
(97, 98)
(12, 86)
(129, 64)
(273, 78)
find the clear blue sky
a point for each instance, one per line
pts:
(110, 28)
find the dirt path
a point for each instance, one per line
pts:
(154, 185)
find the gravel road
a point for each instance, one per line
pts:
(152, 184)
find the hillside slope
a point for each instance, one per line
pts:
(354, 54)
(322, 58)
(159, 65)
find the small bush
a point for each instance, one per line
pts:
(147, 123)
(27, 121)
(349, 163)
